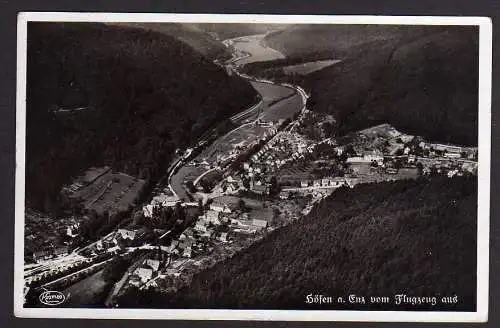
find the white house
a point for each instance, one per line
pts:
(223, 237)
(72, 230)
(148, 210)
(188, 252)
(448, 148)
(337, 181)
(127, 234)
(258, 223)
(200, 226)
(284, 195)
(357, 159)
(452, 155)
(218, 207)
(212, 216)
(374, 155)
(145, 273)
(153, 264)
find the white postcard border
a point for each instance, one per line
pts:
(484, 148)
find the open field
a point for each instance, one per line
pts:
(259, 209)
(242, 136)
(233, 200)
(112, 191)
(283, 109)
(309, 67)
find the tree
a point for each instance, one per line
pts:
(139, 218)
(115, 269)
(349, 151)
(420, 168)
(207, 187)
(433, 171)
(274, 189)
(179, 213)
(200, 206)
(190, 186)
(246, 183)
(329, 128)
(241, 204)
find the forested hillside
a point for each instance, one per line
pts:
(202, 41)
(340, 41)
(125, 97)
(422, 80)
(407, 237)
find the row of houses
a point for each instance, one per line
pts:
(324, 182)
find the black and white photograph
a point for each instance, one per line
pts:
(252, 167)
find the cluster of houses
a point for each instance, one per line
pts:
(194, 240)
(120, 238)
(44, 235)
(145, 272)
(164, 199)
(284, 148)
(449, 151)
(47, 254)
(230, 185)
(407, 151)
(244, 224)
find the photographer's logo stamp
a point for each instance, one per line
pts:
(51, 297)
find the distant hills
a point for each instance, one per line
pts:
(423, 80)
(126, 97)
(234, 30)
